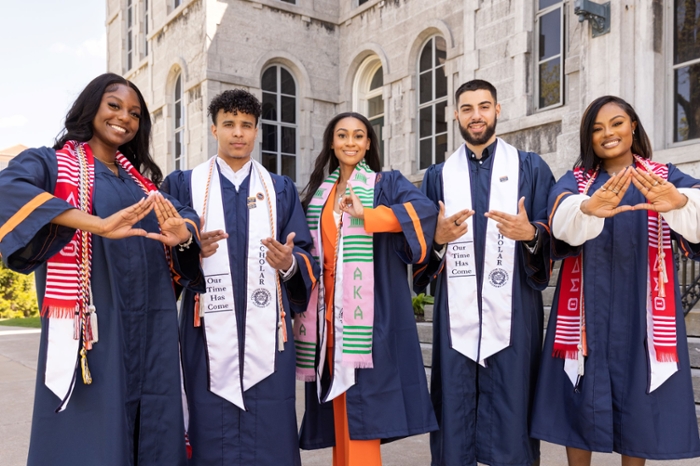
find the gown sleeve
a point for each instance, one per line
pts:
(563, 189)
(685, 183)
(291, 218)
(27, 236)
(415, 213)
(186, 265)
(428, 271)
(537, 264)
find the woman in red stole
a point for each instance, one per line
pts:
(358, 338)
(615, 373)
(83, 216)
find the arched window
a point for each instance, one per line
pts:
(178, 125)
(279, 122)
(369, 101)
(432, 102)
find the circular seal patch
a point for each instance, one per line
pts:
(260, 196)
(498, 277)
(261, 297)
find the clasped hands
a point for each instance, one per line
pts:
(516, 227)
(173, 230)
(661, 196)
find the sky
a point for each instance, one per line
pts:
(49, 51)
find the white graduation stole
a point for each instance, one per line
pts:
(218, 305)
(478, 337)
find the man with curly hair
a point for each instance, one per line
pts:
(237, 346)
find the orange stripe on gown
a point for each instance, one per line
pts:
(346, 452)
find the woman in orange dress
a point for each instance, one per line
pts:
(357, 345)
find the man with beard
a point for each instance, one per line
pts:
(491, 261)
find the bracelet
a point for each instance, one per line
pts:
(186, 244)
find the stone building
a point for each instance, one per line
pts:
(399, 62)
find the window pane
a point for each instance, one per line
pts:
(375, 106)
(289, 140)
(269, 107)
(686, 31)
(178, 115)
(288, 109)
(687, 103)
(550, 34)
(269, 161)
(426, 153)
(545, 3)
(269, 137)
(425, 86)
(377, 124)
(377, 79)
(440, 123)
(178, 150)
(269, 79)
(293, 2)
(289, 166)
(440, 51)
(178, 88)
(440, 82)
(550, 83)
(288, 86)
(426, 57)
(425, 124)
(440, 148)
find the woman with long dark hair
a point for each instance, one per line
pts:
(615, 373)
(83, 216)
(358, 338)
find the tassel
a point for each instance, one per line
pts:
(188, 446)
(87, 377)
(581, 369)
(197, 316)
(76, 325)
(93, 325)
(280, 337)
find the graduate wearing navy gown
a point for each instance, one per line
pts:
(371, 388)
(257, 425)
(484, 409)
(131, 413)
(629, 387)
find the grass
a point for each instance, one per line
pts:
(30, 322)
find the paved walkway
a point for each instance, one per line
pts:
(18, 350)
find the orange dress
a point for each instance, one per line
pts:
(348, 452)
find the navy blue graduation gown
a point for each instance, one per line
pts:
(134, 402)
(265, 434)
(391, 400)
(613, 411)
(484, 412)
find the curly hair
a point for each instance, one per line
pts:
(234, 101)
(78, 125)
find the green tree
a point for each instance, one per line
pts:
(17, 294)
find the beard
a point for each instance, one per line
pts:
(478, 140)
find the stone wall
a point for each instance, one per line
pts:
(220, 44)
